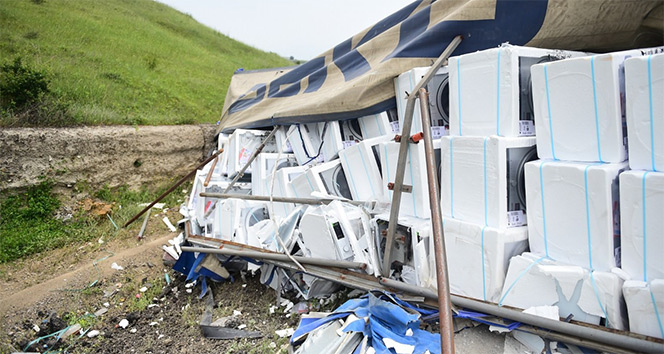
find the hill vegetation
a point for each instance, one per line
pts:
(114, 62)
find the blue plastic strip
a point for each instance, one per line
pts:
(659, 319)
(546, 244)
(352, 179)
(523, 272)
(498, 95)
(548, 106)
(645, 248)
(599, 301)
(483, 267)
(459, 91)
(451, 178)
(652, 127)
(486, 222)
(599, 145)
(590, 248)
(412, 180)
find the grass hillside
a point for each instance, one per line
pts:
(118, 62)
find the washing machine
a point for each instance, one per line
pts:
(263, 166)
(411, 248)
(517, 157)
(328, 178)
(241, 145)
(305, 140)
(361, 163)
(439, 103)
(526, 106)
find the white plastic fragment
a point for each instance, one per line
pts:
(36, 328)
(116, 266)
(169, 224)
(400, 348)
(242, 326)
(143, 289)
(237, 313)
(123, 323)
(153, 323)
(133, 330)
(283, 333)
(157, 205)
(272, 308)
(93, 333)
(106, 304)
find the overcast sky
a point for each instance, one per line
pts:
(299, 28)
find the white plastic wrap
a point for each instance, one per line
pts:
(474, 179)
(486, 95)
(477, 257)
(533, 280)
(415, 203)
(645, 306)
(644, 90)
(573, 212)
(579, 108)
(642, 249)
(241, 145)
(361, 163)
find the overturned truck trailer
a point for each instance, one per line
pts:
(331, 174)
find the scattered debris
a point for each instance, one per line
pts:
(93, 333)
(123, 323)
(168, 224)
(116, 266)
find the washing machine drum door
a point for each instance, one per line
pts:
(440, 111)
(352, 130)
(254, 216)
(335, 182)
(531, 155)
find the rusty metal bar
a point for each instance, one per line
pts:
(177, 184)
(210, 173)
(403, 151)
(442, 278)
(264, 198)
(251, 159)
(583, 334)
(278, 257)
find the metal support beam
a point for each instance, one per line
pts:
(443, 285)
(590, 336)
(177, 184)
(263, 198)
(251, 159)
(403, 152)
(277, 257)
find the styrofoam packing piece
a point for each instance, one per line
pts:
(329, 178)
(644, 95)
(641, 237)
(262, 168)
(645, 306)
(361, 163)
(282, 188)
(573, 212)
(533, 280)
(480, 179)
(330, 134)
(478, 256)
(242, 144)
(534, 342)
(169, 224)
(305, 141)
(404, 85)
(415, 203)
(375, 125)
(593, 127)
(494, 75)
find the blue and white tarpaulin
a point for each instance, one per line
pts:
(355, 78)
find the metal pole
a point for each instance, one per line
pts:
(264, 198)
(584, 332)
(403, 151)
(278, 257)
(444, 304)
(211, 172)
(251, 159)
(177, 184)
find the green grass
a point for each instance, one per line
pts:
(123, 61)
(28, 224)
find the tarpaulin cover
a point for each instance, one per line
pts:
(355, 78)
